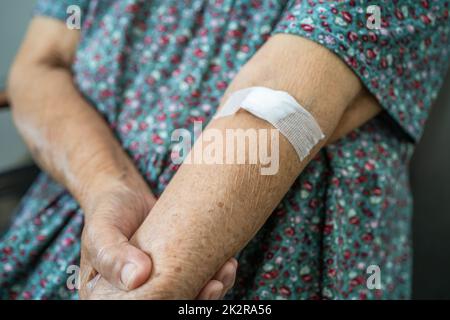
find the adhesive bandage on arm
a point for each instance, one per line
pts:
(282, 111)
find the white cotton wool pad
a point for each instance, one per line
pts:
(281, 110)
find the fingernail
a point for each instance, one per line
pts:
(227, 280)
(127, 274)
(217, 294)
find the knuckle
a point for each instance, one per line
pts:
(103, 255)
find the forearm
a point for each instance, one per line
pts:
(65, 134)
(208, 213)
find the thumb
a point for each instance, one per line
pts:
(115, 259)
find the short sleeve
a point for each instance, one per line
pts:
(402, 61)
(58, 8)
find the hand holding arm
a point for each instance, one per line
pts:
(210, 211)
(73, 143)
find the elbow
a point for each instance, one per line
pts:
(16, 84)
(23, 79)
(25, 75)
(12, 83)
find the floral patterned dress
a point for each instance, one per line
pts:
(150, 67)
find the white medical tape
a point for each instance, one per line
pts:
(281, 110)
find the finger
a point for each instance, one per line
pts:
(212, 291)
(110, 254)
(227, 275)
(229, 286)
(86, 274)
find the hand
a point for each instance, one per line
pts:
(215, 289)
(106, 252)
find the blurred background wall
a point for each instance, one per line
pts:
(430, 169)
(14, 17)
(430, 180)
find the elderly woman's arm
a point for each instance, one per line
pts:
(210, 211)
(71, 141)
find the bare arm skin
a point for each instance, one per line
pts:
(210, 211)
(73, 143)
(67, 137)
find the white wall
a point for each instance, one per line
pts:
(14, 17)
